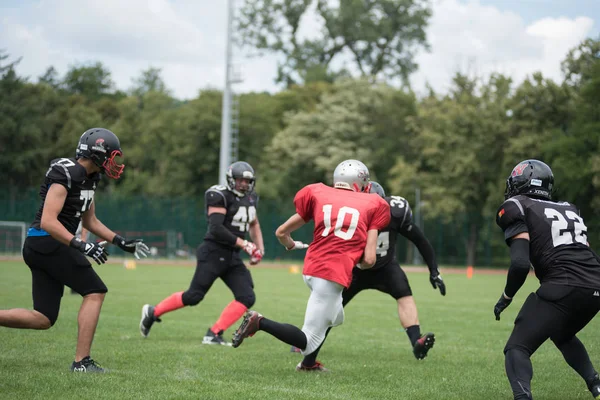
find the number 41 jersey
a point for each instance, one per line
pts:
(80, 192)
(240, 211)
(558, 247)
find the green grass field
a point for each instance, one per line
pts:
(369, 355)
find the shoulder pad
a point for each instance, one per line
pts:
(216, 196)
(510, 212)
(65, 171)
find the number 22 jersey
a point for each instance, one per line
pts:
(342, 219)
(558, 247)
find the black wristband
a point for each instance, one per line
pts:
(118, 239)
(77, 243)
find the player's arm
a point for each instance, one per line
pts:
(89, 221)
(216, 226)
(84, 234)
(93, 224)
(256, 235)
(284, 233)
(53, 205)
(512, 221)
(370, 254)
(413, 233)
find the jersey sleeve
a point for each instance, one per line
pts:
(401, 212)
(381, 216)
(214, 197)
(59, 173)
(511, 218)
(304, 202)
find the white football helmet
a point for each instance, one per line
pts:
(351, 174)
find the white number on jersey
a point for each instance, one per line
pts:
(66, 162)
(337, 230)
(560, 234)
(243, 217)
(397, 201)
(383, 244)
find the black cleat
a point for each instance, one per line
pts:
(423, 345)
(594, 387)
(147, 320)
(248, 328)
(212, 338)
(87, 365)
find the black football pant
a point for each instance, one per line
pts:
(216, 261)
(53, 266)
(554, 312)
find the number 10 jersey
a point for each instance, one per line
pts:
(342, 220)
(558, 247)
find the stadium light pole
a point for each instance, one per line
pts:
(225, 155)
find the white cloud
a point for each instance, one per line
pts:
(477, 39)
(186, 38)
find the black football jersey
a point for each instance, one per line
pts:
(401, 220)
(80, 191)
(240, 210)
(558, 247)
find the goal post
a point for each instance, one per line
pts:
(12, 237)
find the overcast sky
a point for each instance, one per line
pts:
(186, 38)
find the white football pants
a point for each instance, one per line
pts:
(324, 310)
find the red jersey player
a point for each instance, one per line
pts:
(347, 221)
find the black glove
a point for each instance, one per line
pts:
(135, 246)
(437, 282)
(93, 250)
(501, 306)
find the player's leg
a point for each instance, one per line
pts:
(208, 268)
(77, 273)
(392, 279)
(46, 291)
(582, 306)
(360, 281)
(537, 320)
(239, 281)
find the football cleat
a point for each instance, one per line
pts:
(422, 345)
(87, 365)
(248, 328)
(594, 387)
(147, 320)
(318, 367)
(212, 338)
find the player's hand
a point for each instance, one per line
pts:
(298, 245)
(501, 305)
(135, 246)
(96, 251)
(256, 256)
(437, 282)
(249, 248)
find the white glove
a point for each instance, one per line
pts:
(298, 245)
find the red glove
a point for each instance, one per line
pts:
(256, 256)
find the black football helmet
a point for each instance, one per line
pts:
(101, 146)
(240, 170)
(377, 188)
(530, 177)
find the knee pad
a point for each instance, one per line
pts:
(248, 299)
(192, 298)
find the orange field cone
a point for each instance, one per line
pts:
(469, 272)
(294, 269)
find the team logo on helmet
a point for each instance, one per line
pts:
(99, 146)
(519, 169)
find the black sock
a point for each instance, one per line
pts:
(285, 332)
(414, 333)
(519, 372)
(577, 357)
(311, 359)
